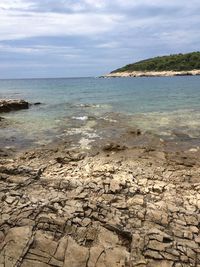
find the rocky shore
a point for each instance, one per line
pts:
(151, 74)
(113, 205)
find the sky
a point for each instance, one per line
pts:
(77, 38)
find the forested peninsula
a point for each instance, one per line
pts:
(171, 65)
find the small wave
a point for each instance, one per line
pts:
(87, 105)
(82, 118)
(109, 119)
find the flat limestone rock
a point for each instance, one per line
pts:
(75, 255)
(116, 211)
(15, 245)
(12, 105)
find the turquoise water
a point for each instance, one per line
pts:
(155, 104)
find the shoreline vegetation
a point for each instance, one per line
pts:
(173, 65)
(128, 200)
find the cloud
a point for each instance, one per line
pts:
(32, 18)
(61, 6)
(108, 45)
(100, 35)
(15, 5)
(18, 24)
(39, 50)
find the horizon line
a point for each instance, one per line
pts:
(41, 78)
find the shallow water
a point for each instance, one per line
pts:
(163, 105)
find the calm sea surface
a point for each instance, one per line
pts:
(160, 105)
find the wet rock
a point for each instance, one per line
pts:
(70, 156)
(12, 105)
(113, 147)
(135, 131)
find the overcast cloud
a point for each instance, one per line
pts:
(63, 38)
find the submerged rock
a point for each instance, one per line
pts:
(113, 147)
(12, 105)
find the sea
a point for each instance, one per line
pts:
(160, 105)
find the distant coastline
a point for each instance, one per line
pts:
(151, 74)
(171, 65)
